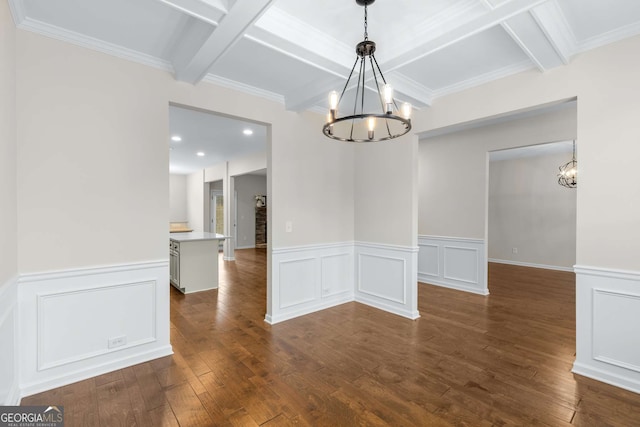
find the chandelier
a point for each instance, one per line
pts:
(360, 126)
(568, 176)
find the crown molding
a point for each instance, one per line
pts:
(241, 87)
(92, 43)
(608, 37)
(500, 73)
(18, 11)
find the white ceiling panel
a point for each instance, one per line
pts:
(257, 65)
(489, 51)
(594, 18)
(145, 26)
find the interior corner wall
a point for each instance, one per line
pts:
(386, 226)
(8, 211)
(530, 211)
(178, 198)
(247, 187)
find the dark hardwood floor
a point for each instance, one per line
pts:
(469, 360)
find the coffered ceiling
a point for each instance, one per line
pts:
(296, 51)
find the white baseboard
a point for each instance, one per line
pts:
(246, 247)
(531, 264)
(68, 319)
(453, 262)
(71, 377)
(9, 356)
(607, 326)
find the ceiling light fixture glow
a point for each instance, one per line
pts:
(176, 138)
(200, 154)
(247, 132)
(388, 123)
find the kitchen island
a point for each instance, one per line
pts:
(193, 263)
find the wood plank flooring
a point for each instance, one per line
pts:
(469, 360)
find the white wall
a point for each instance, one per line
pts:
(8, 210)
(178, 198)
(530, 211)
(247, 187)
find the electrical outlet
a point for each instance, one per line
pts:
(514, 250)
(117, 342)
(288, 226)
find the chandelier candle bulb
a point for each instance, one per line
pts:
(371, 125)
(333, 105)
(329, 120)
(406, 110)
(388, 98)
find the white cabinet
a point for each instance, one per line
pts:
(193, 262)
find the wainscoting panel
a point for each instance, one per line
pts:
(337, 274)
(310, 278)
(9, 370)
(608, 326)
(386, 278)
(298, 282)
(453, 262)
(77, 324)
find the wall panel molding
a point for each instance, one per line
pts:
(608, 326)
(386, 278)
(453, 262)
(310, 278)
(69, 322)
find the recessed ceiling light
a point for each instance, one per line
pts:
(247, 132)
(200, 154)
(176, 138)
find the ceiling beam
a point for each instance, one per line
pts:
(552, 22)
(494, 17)
(230, 29)
(210, 11)
(409, 90)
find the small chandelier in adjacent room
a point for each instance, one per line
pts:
(388, 123)
(568, 176)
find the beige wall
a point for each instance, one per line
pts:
(94, 129)
(386, 191)
(605, 82)
(196, 198)
(89, 123)
(8, 186)
(178, 198)
(453, 170)
(530, 211)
